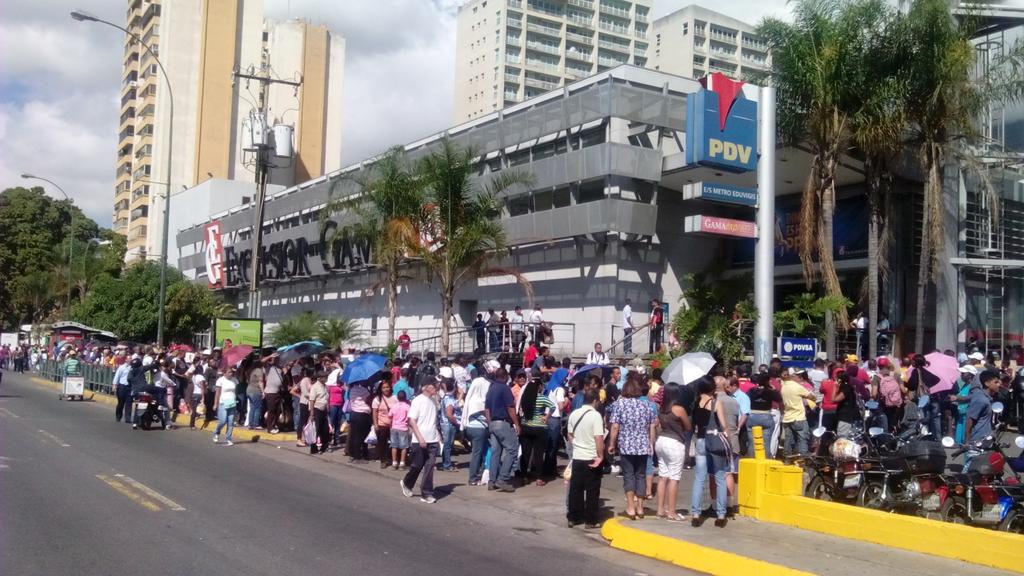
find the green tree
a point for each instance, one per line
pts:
(806, 314)
(190, 308)
(336, 331)
(297, 328)
(817, 63)
(460, 223)
(31, 225)
(33, 292)
(126, 306)
(713, 316)
(388, 203)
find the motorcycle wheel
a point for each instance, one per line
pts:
(954, 512)
(819, 490)
(870, 496)
(1014, 522)
(146, 421)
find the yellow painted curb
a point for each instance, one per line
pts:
(687, 554)
(238, 433)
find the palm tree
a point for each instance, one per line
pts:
(461, 232)
(336, 331)
(297, 328)
(942, 102)
(877, 128)
(388, 206)
(816, 61)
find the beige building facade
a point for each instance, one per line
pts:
(508, 51)
(693, 42)
(201, 44)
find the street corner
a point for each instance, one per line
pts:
(635, 539)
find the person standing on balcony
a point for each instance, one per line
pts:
(657, 321)
(518, 334)
(404, 343)
(537, 323)
(493, 331)
(480, 332)
(627, 327)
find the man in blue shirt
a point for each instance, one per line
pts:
(503, 426)
(123, 390)
(979, 409)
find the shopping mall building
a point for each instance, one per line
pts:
(606, 220)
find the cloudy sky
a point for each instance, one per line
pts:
(59, 81)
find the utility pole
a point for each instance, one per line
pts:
(264, 150)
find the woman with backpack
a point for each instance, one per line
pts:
(891, 394)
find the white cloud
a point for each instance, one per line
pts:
(59, 81)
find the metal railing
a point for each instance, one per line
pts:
(561, 340)
(97, 378)
(639, 339)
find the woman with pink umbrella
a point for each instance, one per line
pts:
(933, 376)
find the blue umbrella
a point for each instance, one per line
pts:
(584, 371)
(299, 350)
(362, 368)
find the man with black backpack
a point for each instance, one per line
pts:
(427, 372)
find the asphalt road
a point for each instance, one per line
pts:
(83, 495)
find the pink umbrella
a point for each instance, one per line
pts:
(236, 354)
(944, 368)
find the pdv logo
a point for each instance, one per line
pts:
(721, 125)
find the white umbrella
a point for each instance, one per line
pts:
(688, 367)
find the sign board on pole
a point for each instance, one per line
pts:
(699, 224)
(724, 193)
(721, 126)
(797, 352)
(247, 331)
(9, 339)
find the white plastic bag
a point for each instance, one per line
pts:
(309, 433)
(371, 438)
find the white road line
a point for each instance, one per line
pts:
(151, 493)
(55, 439)
(7, 412)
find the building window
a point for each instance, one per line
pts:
(520, 205)
(686, 29)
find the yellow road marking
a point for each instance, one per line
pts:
(55, 439)
(7, 412)
(151, 493)
(128, 493)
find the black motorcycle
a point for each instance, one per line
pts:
(906, 473)
(149, 409)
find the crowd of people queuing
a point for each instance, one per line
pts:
(514, 423)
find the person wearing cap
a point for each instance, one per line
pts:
(961, 398)
(503, 427)
(794, 415)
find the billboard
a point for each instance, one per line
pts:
(239, 331)
(849, 233)
(9, 339)
(721, 126)
(719, 226)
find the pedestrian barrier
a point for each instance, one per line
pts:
(771, 491)
(97, 378)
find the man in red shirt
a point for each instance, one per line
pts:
(404, 342)
(530, 355)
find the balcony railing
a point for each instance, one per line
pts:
(514, 23)
(581, 56)
(620, 12)
(557, 32)
(540, 65)
(542, 84)
(579, 38)
(588, 4)
(517, 4)
(512, 78)
(755, 45)
(543, 47)
(612, 27)
(581, 20)
(640, 17)
(624, 48)
(545, 8)
(602, 61)
(513, 41)
(513, 60)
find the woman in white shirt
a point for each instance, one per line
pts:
(225, 402)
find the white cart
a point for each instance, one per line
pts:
(74, 387)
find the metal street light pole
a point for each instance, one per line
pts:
(86, 17)
(71, 240)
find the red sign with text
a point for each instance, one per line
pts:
(214, 255)
(720, 226)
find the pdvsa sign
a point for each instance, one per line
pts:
(721, 125)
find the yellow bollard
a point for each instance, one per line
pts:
(758, 443)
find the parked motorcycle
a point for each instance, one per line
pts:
(980, 494)
(906, 474)
(835, 470)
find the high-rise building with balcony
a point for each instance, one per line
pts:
(510, 50)
(201, 43)
(694, 42)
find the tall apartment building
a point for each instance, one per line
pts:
(510, 50)
(201, 43)
(694, 42)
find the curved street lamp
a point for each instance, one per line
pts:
(82, 16)
(71, 240)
